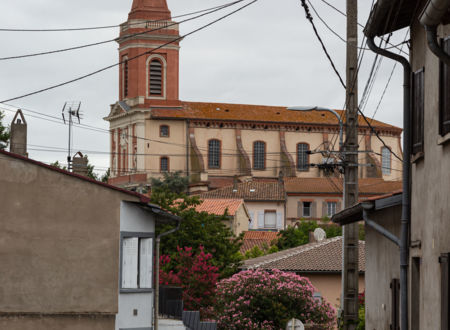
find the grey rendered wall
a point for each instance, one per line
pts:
(430, 187)
(135, 309)
(382, 265)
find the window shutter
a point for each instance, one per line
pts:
(299, 209)
(145, 263)
(279, 221)
(445, 308)
(418, 109)
(129, 262)
(261, 219)
(313, 210)
(324, 209)
(252, 222)
(395, 304)
(155, 81)
(444, 92)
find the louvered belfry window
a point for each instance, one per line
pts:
(125, 77)
(444, 106)
(156, 78)
(259, 155)
(418, 108)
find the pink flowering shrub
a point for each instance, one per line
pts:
(194, 273)
(257, 299)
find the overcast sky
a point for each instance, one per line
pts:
(266, 54)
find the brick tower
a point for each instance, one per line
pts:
(151, 79)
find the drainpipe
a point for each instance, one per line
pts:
(156, 297)
(430, 19)
(405, 218)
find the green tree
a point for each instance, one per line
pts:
(4, 133)
(106, 176)
(299, 235)
(197, 228)
(58, 165)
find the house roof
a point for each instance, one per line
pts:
(323, 257)
(142, 198)
(355, 212)
(257, 238)
(252, 113)
(249, 191)
(367, 186)
(218, 206)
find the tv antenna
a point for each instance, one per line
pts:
(71, 110)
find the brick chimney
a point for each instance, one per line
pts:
(80, 164)
(18, 139)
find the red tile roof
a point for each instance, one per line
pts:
(249, 191)
(218, 206)
(324, 256)
(260, 113)
(260, 239)
(367, 186)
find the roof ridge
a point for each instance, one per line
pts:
(301, 249)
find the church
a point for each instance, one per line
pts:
(214, 144)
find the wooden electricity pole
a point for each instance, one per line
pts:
(350, 272)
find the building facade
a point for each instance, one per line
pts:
(152, 131)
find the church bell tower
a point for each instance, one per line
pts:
(149, 76)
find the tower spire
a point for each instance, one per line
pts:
(150, 9)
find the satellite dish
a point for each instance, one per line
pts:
(319, 234)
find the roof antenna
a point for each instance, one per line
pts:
(71, 110)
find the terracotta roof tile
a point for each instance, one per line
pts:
(249, 191)
(367, 186)
(261, 113)
(325, 256)
(257, 238)
(218, 206)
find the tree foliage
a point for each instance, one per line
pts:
(4, 133)
(257, 299)
(197, 228)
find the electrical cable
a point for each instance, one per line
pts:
(107, 26)
(130, 59)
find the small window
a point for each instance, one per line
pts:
(302, 157)
(331, 208)
(418, 108)
(444, 102)
(307, 209)
(164, 164)
(214, 154)
(259, 155)
(137, 263)
(270, 219)
(155, 78)
(164, 131)
(385, 161)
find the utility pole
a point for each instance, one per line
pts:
(350, 269)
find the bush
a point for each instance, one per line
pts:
(194, 273)
(257, 299)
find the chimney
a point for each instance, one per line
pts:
(18, 139)
(235, 184)
(80, 164)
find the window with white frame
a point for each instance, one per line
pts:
(137, 263)
(270, 219)
(385, 161)
(331, 208)
(307, 209)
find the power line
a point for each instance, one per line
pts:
(114, 39)
(310, 19)
(130, 59)
(107, 26)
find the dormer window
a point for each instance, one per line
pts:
(164, 131)
(155, 77)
